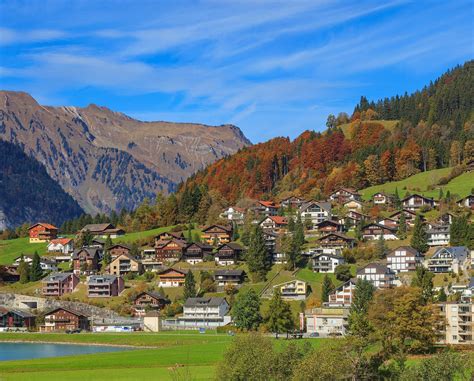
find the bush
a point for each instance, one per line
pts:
(149, 276)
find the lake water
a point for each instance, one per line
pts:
(25, 351)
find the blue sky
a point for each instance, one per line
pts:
(271, 68)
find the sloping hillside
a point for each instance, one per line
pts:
(365, 152)
(28, 194)
(106, 160)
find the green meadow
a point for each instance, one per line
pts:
(174, 356)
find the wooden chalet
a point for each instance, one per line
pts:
(228, 253)
(417, 201)
(58, 284)
(389, 222)
(124, 263)
(216, 234)
(170, 250)
(266, 208)
(86, 260)
(62, 319)
(103, 230)
(119, 249)
(171, 277)
(15, 318)
(42, 232)
(373, 231)
(276, 224)
(229, 277)
(466, 202)
(336, 240)
(166, 236)
(409, 216)
(148, 301)
(329, 226)
(381, 198)
(343, 195)
(292, 202)
(195, 252)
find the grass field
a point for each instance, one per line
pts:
(420, 183)
(178, 356)
(13, 248)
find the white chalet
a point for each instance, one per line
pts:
(342, 295)
(378, 274)
(449, 259)
(327, 321)
(316, 211)
(416, 201)
(438, 235)
(326, 263)
(404, 259)
(204, 313)
(61, 245)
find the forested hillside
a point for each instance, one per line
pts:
(434, 129)
(28, 194)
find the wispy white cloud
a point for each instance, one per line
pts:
(11, 36)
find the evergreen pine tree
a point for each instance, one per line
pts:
(299, 232)
(189, 237)
(396, 200)
(424, 280)
(326, 288)
(381, 247)
(279, 319)
(246, 310)
(23, 271)
(36, 272)
(442, 297)
(419, 240)
(291, 224)
(257, 257)
(189, 286)
(359, 325)
(402, 226)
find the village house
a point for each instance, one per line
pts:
(103, 230)
(169, 251)
(389, 222)
(327, 321)
(86, 260)
(98, 242)
(409, 217)
(343, 195)
(166, 236)
(316, 212)
(276, 224)
(292, 290)
(445, 219)
(404, 259)
(458, 329)
(373, 231)
(119, 249)
(195, 252)
(229, 277)
(228, 254)
(234, 214)
(171, 277)
(204, 313)
(292, 202)
(449, 259)
(329, 226)
(216, 234)
(124, 263)
(357, 216)
(438, 235)
(355, 205)
(45, 263)
(148, 301)
(266, 208)
(61, 245)
(466, 202)
(63, 319)
(336, 241)
(58, 284)
(417, 201)
(9, 274)
(270, 240)
(381, 198)
(378, 274)
(104, 286)
(326, 263)
(42, 232)
(12, 319)
(342, 295)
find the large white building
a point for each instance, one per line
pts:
(342, 295)
(449, 259)
(316, 211)
(378, 274)
(327, 321)
(459, 319)
(404, 259)
(438, 235)
(326, 263)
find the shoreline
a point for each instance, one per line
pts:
(76, 343)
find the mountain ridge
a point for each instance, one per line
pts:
(81, 148)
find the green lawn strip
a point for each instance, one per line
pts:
(13, 248)
(194, 372)
(416, 183)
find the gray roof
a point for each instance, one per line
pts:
(232, 245)
(229, 272)
(406, 248)
(91, 251)
(22, 313)
(458, 252)
(379, 267)
(322, 204)
(210, 302)
(97, 227)
(102, 279)
(57, 277)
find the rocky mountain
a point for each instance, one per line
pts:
(28, 194)
(106, 160)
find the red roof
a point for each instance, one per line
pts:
(280, 220)
(61, 241)
(268, 204)
(47, 226)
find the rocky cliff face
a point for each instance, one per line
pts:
(107, 160)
